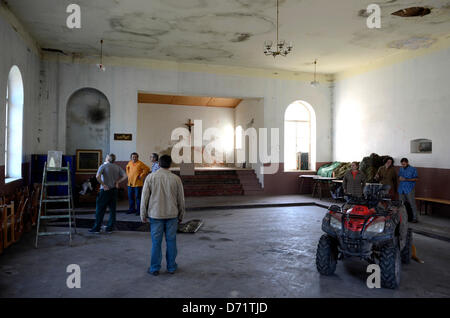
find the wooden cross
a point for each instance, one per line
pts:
(189, 124)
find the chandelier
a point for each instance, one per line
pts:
(101, 66)
(315, 83)
(280, 48)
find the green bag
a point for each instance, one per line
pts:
(327, 170)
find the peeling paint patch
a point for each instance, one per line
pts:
(363, 13)
(412, 12)
(413, 43)
(241, 37)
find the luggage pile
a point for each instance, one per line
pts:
(369, 166)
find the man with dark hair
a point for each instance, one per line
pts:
(387, 175)
(155, 165)
(408, 177)
(136, 172)
(163, 203)
(109, 175)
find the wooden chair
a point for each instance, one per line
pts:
(8, 224)
(27, 217)
(18, 229)
(35, 197)
(2, 202)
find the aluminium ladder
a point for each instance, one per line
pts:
(55, 214)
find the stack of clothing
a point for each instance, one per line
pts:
(340, 171)
(370, 165)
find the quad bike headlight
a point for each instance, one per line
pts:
(335, 223)
(376, 227)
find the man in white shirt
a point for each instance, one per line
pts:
(162, 202)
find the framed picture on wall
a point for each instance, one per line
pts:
(88, 160)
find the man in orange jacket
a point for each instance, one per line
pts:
(136, 172)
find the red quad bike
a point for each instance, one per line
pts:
(373, 228)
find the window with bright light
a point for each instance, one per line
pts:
(299, 137)
(13, 125)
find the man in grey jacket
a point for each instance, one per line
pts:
(162, 202)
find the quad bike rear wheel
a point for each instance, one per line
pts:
(407, 250)
(326, 255)
(390, 266)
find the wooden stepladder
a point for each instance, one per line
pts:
(54, 214)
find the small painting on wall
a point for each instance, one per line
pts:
(88, 160)
(421, 146)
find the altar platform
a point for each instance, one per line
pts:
(219, 181)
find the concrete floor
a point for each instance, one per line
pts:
(266, 252)
(436, 226)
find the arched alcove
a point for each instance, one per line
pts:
(14, 124)
(299, 137)
(88, 121)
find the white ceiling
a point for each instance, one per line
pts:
(232, 32)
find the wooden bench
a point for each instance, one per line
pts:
(426, 201)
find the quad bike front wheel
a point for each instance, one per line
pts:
(326, 255)
(407, 250)
(390, 266)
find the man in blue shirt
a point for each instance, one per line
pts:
(408, 177)
(155, 164)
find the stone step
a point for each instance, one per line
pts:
(250, 182)
(210, 172)
(208, 177)
(252, 187)
(253, 192)
(213, 187)
(213, 181)
(190, 193)
(245, 173)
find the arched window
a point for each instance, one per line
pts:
(299, 137)
(14, 125)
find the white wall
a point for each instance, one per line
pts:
(156, 122)
(247, 110)
(382, 110)
(14, 51)
(121, 84)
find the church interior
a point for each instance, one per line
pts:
(263, 106)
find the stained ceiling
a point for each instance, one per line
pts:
(232, 32)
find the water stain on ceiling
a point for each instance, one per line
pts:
(232, 32)
(140, 24)
(193, 53)
(413, 43)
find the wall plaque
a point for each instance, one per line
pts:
(126, 137)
